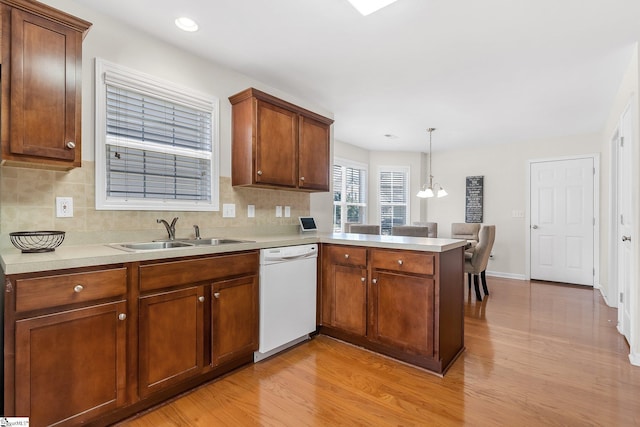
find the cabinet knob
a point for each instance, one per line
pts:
(374, 281)
(216, 295)
(201, 298)
(346, 256)
(78, 288)
(400, 262)
(362, 279)
(122, 316)
(259, 172)
(71, 145)
(626, 238)
(302, 178)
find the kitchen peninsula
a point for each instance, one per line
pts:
(400, 296)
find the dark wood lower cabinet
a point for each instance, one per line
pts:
(71, 366)
(170, 338)
(405, 304)
(234, 319)
(403, 310)
(350, 304)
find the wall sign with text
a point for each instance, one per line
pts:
(473, 206)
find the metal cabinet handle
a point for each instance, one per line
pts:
(626, 238)
(346, 256)
(259, 173)
(302, 178)
(78, 288)
(70, 145)
(201, 298)
(400, 262)
(216, 295)
(122, 316)
(535, 227)
(374, 281)
(362, 279)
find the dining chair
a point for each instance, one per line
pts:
(475, 264)
(433, 228)
(363, 228)
(464, 231)
(410, 230)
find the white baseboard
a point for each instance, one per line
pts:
(506, 275)
(634, 358)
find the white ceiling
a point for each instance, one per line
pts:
(480, 71)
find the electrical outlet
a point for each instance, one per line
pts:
(64, 207)
(278, 211)
(251, 211)
(287, 211)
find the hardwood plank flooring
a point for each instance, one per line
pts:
(537, 354)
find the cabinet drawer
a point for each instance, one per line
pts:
(346, 255)
(51, 291)
(404, 261)
(176, 273)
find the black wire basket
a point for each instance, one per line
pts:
(37, 241)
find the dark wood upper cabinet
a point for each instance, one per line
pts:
(41, 85)
(276, 144)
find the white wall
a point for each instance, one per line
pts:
(505, 169)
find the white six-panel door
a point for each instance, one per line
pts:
(562, 220)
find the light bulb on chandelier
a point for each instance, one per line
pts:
(428, 189)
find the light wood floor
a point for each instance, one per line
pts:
(537, 354)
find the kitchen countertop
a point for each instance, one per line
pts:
(13, 261)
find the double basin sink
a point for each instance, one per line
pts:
(174, 244)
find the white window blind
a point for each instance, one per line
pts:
(349, 191)
(158, 147)
(393, 196)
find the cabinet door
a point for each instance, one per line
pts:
(349, 306)
(276, 146)
(71, 365)
(234, 319)
(171, 338)
(313, 148)
(45, 88)
(403, 312)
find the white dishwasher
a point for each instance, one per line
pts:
(287, 297)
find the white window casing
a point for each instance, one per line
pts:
(156, 143)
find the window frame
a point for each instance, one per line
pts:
(406, 170)
(344, 205)
(163, 89)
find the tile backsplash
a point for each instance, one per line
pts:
(27, 202)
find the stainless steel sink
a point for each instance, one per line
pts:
(151, 246)
(214, 241)
(173, 244)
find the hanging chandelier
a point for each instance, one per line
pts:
(429, 188)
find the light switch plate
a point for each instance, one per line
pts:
(278, 211)
(287, 211)
(64, 207)
(251, 211)
(228, 210)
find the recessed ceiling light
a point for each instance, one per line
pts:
(186, 24)
(366, 7)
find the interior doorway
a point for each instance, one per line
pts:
(563, 219)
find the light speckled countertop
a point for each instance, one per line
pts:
(72, 256)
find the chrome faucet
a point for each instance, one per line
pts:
(196, 229)
(171, 229)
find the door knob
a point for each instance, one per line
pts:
(626, 238)
(535, 227)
